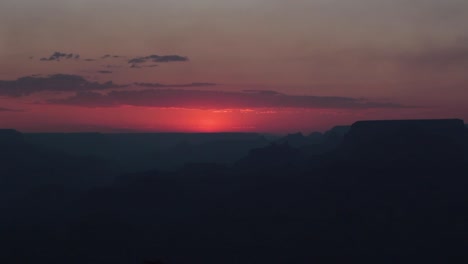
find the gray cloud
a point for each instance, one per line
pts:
(158, 59)
(161, 85)
(198, 99)
(108, 56)
(112, 66)
(266, 92)
(59, 82)
(105, 72)
(137, 62)
(3, 109)
(136, 66)
(57, 56)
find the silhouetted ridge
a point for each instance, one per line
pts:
(315, 137)
(10, 137)
(145, 151)
(379, 190)
(334, 136)
(296, 139)
(411, 142)
(272, 157)
(453, 127)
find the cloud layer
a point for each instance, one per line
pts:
(198, 99)
(57, 83)
(3, 109)
(108, 56)
(57, 56)
(161, 85)
(104, 72)
(134, 63)
(157, 59)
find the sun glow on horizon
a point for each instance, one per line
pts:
(183, 120)
(208, 125)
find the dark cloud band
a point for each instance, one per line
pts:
(198, 99)
(57, 56)
(58, 83)
(161, 85)
(3, 109)
(157, 59)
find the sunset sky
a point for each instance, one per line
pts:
(216, 65)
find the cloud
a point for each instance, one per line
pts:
(135, 63)
(57, 56)
(158, 59)
(266, 92)
(2, 109)
(198, 99)
(105, 72)
(112, 66)
(107, 56)
(161, 85)
(135, 66)
(58, 83)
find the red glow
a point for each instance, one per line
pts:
(203, 121)
(209, 125)
(56, 118)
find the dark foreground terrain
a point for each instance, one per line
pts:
(378, 189)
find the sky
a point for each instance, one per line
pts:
(217, 65)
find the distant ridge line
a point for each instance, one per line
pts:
(411, 120)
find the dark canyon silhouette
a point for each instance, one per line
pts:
(378, 190)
